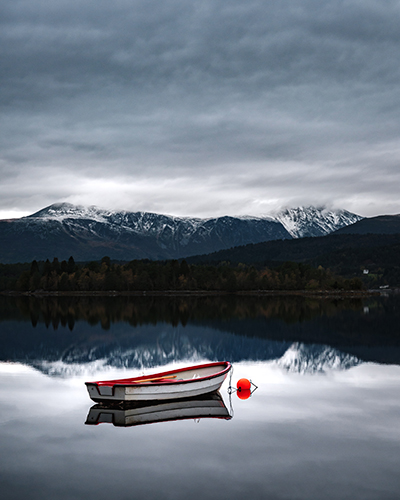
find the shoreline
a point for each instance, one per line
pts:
(206, 293)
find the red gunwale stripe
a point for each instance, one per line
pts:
(136, 380)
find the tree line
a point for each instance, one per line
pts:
(172, 275)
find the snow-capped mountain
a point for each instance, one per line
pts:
(90, 233)
(302, 222)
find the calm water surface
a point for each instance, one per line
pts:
(323, 423)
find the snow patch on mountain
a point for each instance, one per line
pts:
(309, 221)
(140, 222)
(62, 211)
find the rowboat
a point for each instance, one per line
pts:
(149, 412)
(174, 384)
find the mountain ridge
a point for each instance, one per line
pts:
(90, 233)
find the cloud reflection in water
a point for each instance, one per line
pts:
(295, 437)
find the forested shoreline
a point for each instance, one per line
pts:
(163, 276)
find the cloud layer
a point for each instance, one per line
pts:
(200, 108)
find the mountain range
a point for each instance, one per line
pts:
(90, 233)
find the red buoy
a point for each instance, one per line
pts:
(243, 385)
(243, 394)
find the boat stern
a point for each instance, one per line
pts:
(99, 393)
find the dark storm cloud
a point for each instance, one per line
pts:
(157, 99)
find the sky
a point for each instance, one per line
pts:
(200, 108)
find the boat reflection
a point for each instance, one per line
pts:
(131, 414)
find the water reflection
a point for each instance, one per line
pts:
(127, 415)
(332, 432)
(68, 336)
(175, 310)
(334, 436)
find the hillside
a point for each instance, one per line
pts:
(345, 254)
(383, 224)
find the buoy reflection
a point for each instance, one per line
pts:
(244, 394)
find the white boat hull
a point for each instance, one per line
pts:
(195, 381)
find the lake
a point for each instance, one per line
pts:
(322, 423)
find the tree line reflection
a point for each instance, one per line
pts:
(175, 310)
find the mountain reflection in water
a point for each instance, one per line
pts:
(73, 335)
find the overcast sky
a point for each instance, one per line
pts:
(200, 107)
